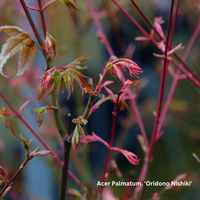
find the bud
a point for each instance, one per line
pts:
(50, 46)
(75, 139)
(71, 5)
(24, 142)
(74, 193)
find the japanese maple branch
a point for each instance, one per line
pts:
(151, 25)
(140, 190)
(32, 23)
(96, 20)
(42, 18)
(111, 140)
(9, 183)
(162, 87)
(176, 79)
(66, 157)
(42, 142)
(110, 51)
(189, 76)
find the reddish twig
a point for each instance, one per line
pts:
(111, 140)
(189, 76)
(169, 46)
(42, 18)
(96, 20)
(32, 23)
(33, 8)
(49, 3)
(42, 141)
(110, 51)
(175, 81)
(162, 87)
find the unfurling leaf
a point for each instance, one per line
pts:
(71, 5)
(24, 142)
(19, 41)
(8, 125)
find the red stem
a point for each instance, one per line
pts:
(42, 142)
(189, 76)
(48, 4)
(162, 87)
(111, 140)
(32, 23)
(174, 23)
(169, 46)
(110, 51)
(175, 81)
(32, 8)
(42, 18)
(96, 20)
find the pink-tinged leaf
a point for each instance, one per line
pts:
(131, 157)
(100, 140)
(6, 112)
(23, 106)
(158, 55)
(88, 139)
(126, 85)
(159, 30)
(178, 47)
(10, 127)
(142, 39)
(94, 107)
(110, 93)
(42, 153)
(50, 108)
(29, 143)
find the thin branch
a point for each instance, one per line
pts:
(162, 87)
(49, 3)
(194, 81)
(110, 51)
(32, 23)
(42, 142)
(103, 35)
(14, 176)
(66, 157)
(151, 25)
(175, 81)
(33, 8)
(42, 18)
(111, 140)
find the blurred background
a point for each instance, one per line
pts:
(76, 35)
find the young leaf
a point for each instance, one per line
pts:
(20, 41)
